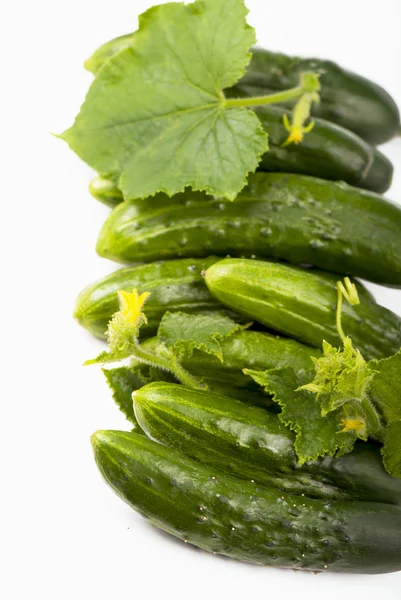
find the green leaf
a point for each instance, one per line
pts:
(386, 386)
(315, 435)
(122, 382)
(107, 51)
(391, 450)
(342, 375)
(109, 357)
(342, 381)
(155, 116)
(183, 333)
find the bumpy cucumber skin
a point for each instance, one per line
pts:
(347, 99)
(300, 219)
(222, 514)
(241, 440)
(302, 304)
(252, 443)
(328, 151)
(174, 285)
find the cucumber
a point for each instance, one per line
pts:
(347, 99)
(351, 101)
(105, 191)
(225, 515)
(300, 219)
(174, 285)
(302, 304)
(251, 443)
(246, 350)
(328, 151)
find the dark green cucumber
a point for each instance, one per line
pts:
(225, 515)
(251, 350)
(328, 151)
(174, 286)
(300, 219)
(351, 101)
(302, 304)
(252, 443)
(347, 99)
(105, 191)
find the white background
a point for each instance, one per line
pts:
(63, 532)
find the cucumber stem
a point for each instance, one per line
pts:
(170, 364)
(350, 293)
(338, 314)
(276, 98)
(374, 427)
(309, 86)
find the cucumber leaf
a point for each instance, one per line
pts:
(155, 118)
(122, 382)
(107, 51)
(109, 357)
(183, 333)
(315, 435)
(341, 374)
(391, 450)
(385, 389)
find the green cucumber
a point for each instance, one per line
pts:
(174, 286)
(346, 98)
(105, 191)
(328, 151)
(296, 218)
(302, 304)
(246, 350)
(351, 101)
(225, 515)
(251, 443)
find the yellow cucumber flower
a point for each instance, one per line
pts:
(296, 131)
(131, 304)
(357, 425)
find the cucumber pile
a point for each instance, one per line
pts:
(263, 394)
